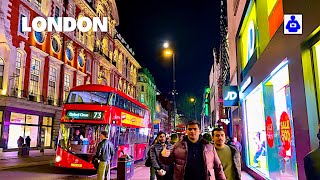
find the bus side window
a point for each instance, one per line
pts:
(112, 99)
(121, 102)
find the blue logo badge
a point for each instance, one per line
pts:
(293, 24)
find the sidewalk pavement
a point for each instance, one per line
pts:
(9, 160)
(143, 173)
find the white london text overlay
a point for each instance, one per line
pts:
(65, 24)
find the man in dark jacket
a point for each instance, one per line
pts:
(312, 163)
(163, 172)
(193, 157)
(104, 153)
(228, 154)
(28, 141)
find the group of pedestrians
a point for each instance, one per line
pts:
(21, 141)
(194, 157)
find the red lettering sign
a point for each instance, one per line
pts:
(285, 131)
(269, 131)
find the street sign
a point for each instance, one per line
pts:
(230, 96)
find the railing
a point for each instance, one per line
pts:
(18, 93)
(15, 92)
(99, 50)
(35, 97)
(53, 102)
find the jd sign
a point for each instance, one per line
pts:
(230, 95)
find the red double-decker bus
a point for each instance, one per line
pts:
(181, 129)
(90, 109)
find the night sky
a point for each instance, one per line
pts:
(193, 28)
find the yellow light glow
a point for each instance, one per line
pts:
(168, 52)
(192, 99)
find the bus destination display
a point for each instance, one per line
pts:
(85, 114)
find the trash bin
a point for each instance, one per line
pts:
(23, 150)
(125, 168)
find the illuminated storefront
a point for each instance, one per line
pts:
(270, 133)
(279, 82)
(17, 122)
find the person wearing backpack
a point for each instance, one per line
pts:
(148, 162)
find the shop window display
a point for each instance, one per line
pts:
(28, 125)
(271, 149)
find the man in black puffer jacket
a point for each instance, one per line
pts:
(163, 172)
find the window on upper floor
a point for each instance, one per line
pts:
(79, 81)
(56, 13)
(38, 4)
(34, 78)
(52, 82)
(88, 66)
(66, 85)
(18, 71)
(20, 24)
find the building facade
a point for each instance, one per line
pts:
(162, 118)
(146, 91)
(278, 82)
(220, 76)
(205, 121)
(117, 66)
(39, 68)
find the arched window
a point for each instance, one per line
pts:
(1, 72)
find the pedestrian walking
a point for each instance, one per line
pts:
(55, 141)
(163, 172)
(149, 164)
(104, 153)
(28, 142)
(228, 154)
(193, 157)
(20, 141)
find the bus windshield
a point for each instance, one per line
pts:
(87, 97)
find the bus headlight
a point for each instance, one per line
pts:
(58, 158)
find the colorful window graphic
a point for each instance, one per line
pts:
(255, 33)
(248, 35)
(271, 149)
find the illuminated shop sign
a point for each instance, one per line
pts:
(85, 114)
(251, 39)
(230, 95)
(246, 83)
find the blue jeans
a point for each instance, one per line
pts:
(257, 155)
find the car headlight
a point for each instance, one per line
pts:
(58, 158)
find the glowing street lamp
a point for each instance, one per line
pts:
(193, 100)
(169, 52)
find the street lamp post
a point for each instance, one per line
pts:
(193, 100)
(171, 52)
(174, 91)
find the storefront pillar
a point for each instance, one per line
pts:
(272, 145)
